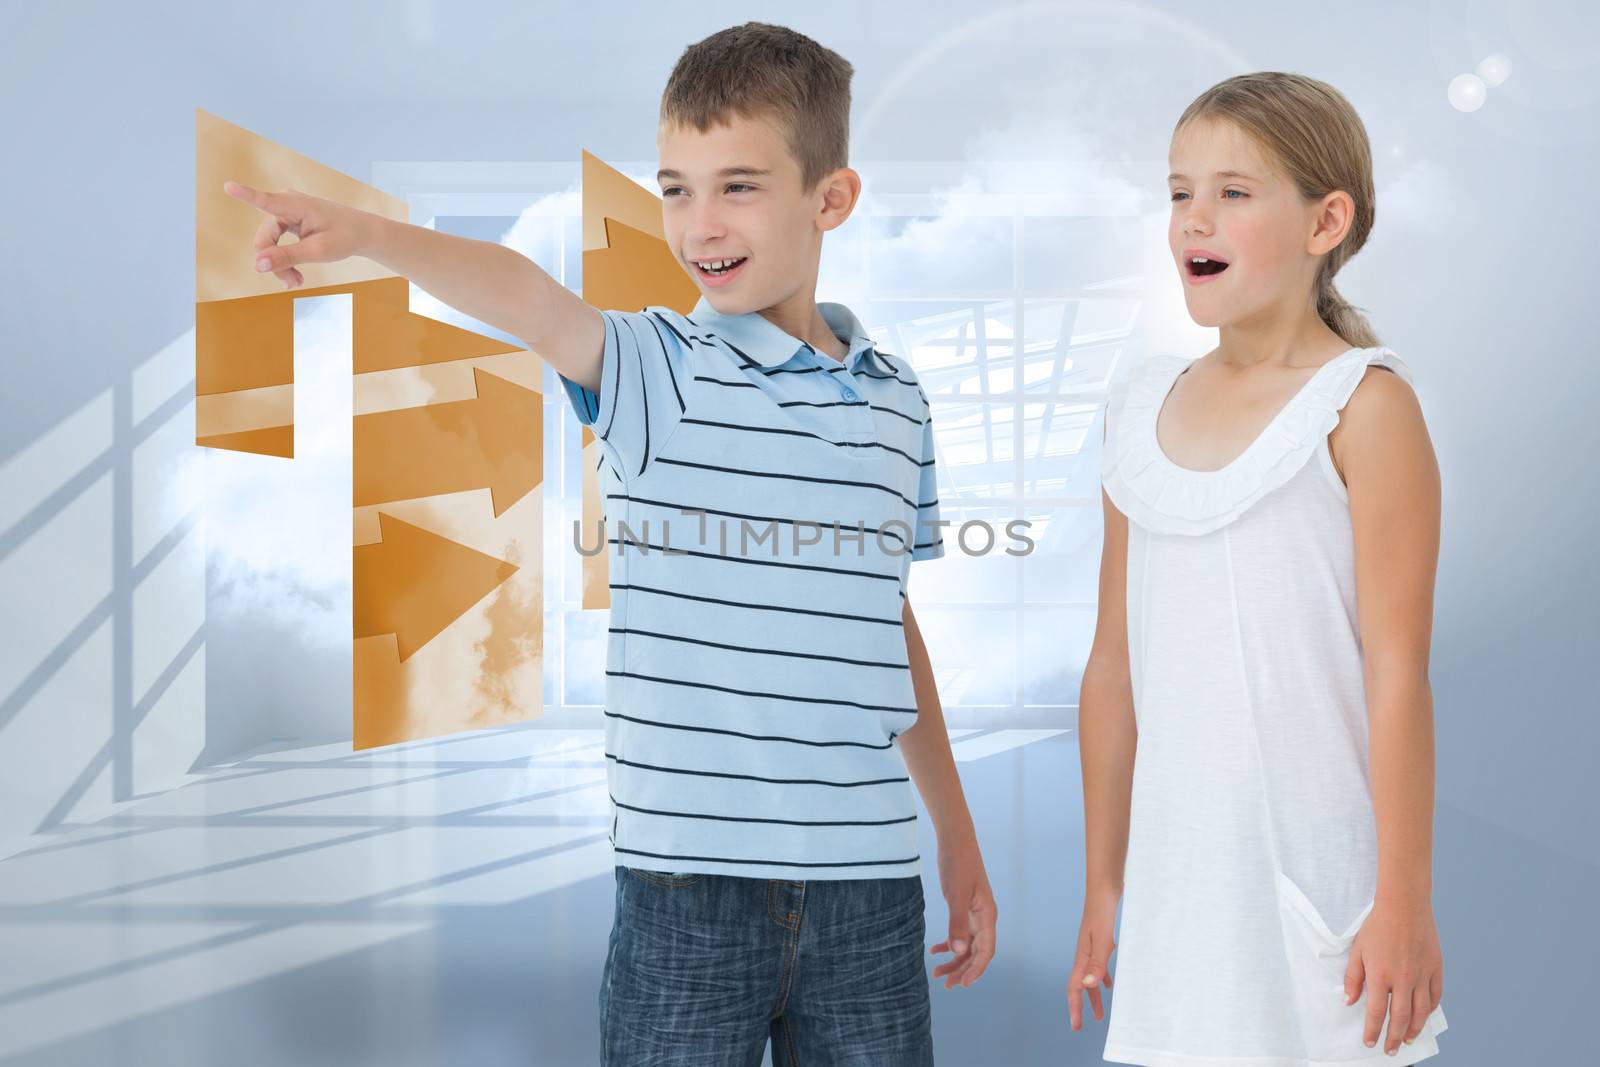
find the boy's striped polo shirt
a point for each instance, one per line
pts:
(763, 504)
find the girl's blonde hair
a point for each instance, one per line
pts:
(1313, 131)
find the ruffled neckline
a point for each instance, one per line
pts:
(1158, 494)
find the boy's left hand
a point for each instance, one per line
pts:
(972, 914)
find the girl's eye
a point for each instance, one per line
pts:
(1230, 192)
(671, 190)
(1179, 195)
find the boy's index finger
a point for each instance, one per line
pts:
(253, 197)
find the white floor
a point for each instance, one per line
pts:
(439, 902)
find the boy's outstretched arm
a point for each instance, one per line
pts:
(962, 878)
(487, 281)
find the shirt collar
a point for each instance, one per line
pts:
(756, 338)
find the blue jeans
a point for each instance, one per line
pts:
(703, 968)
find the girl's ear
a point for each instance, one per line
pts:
(840, 191)
(1330, 222)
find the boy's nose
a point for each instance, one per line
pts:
(703, 225)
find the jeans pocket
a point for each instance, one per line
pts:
(669, 879)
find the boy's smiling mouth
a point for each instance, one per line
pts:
(717, 272)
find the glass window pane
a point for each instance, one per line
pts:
(1055, 646)
(1064, 563)
(980, 572)
(1061, 450)
(1073, 346)
(584, 657)
(955, 347)
(974, 449)
(939, 254)
(1084, 252)
(973, 654)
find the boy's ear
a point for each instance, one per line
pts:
(840, 191)
(1330, 222)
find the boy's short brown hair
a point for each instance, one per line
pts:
(758, 70)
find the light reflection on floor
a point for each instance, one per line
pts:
(444, 901)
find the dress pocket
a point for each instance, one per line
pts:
(1317, 958)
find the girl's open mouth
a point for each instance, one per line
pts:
(716, 272)
(1199, 267)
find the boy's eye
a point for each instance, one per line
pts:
(672, 190)
(1179, 195)
(739, 187)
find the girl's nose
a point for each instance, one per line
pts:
(1196, 220)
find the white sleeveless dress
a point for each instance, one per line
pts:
(1252, 851)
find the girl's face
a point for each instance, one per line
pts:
(1235, 210)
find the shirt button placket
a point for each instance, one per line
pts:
(857, 418)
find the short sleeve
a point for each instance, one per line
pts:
(642, 376)
(929, 542)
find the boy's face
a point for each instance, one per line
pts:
(1235, 207)
(736, 216)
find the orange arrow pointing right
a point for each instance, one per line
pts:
(491, 440)
(635, 271)
(414, 583)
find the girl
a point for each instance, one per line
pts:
(1266, 589)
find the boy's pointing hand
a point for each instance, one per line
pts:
(327, 231)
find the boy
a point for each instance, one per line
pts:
(767, 881)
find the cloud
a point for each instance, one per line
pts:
(279, 530)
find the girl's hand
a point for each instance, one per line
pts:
(966, 890)
(1396, 956)
(328, 231)
(1089, 966)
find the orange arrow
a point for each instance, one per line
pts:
(386, 335)
(248, 343)
(492, 440)
(635, 271)
(414, 583)
(610, 194)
